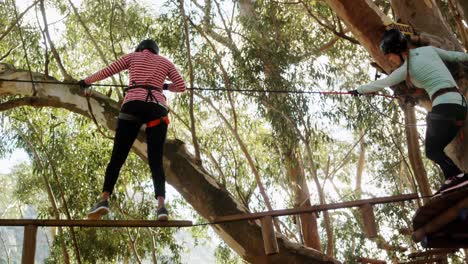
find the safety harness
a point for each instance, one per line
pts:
(149, 97)
(430, 115)
(148, 88)
(152, 123)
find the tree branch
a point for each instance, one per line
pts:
(193, 129)
(18, 18)
(25, 101)
(341, 34)
(64, 72)
(93, 40)
(8, 53)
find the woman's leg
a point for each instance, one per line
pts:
(441, 130)
(125, 135)
(156, 136)
(439, 134)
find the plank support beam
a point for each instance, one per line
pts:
(29, 244)
(269, 238)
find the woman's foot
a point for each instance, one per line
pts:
(162, 214)
(99, 210)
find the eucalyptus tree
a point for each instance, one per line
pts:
(253, 146)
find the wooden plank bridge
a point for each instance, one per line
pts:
(269, 237)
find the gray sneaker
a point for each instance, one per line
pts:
(162, 214)
(99, 210)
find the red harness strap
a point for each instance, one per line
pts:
(461, 135)
(158, 121)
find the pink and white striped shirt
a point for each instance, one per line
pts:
(145, 68)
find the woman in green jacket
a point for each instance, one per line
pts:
(427, 71)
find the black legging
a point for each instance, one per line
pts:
(441, 130)
(126, 133)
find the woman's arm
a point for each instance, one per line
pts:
(115, 67)
(396, 77)
(178, 84)
(452, 56)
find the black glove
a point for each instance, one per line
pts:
(83, 85)
(165, 86)
(354, 93)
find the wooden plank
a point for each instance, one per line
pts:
(425, 261)
(269, 238)
(29, 244)
(438, 222)
(370, 261)
(453, 236)
(316, 208)
(433, 252)
(368, 221)
(437, 205)
(93, 223)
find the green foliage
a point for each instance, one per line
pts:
(280, 47)
(225, 255)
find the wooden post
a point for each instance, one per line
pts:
(368, 220)
(269, 238)
(29, 244)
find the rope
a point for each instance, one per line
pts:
(391, 118)
(215, 89)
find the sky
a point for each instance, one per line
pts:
(17, 157)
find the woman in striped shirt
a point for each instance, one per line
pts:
(144, 103)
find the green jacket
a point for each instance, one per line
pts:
(427, 71)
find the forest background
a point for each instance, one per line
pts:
(228, 151)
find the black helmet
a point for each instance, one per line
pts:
(393, 41)
(148, 44)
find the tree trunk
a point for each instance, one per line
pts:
(367, 31)
(414, 151)
(425, 17)
(193, 128)
(302, 199)
(198, 188)
(464, 6)
(360, 166)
